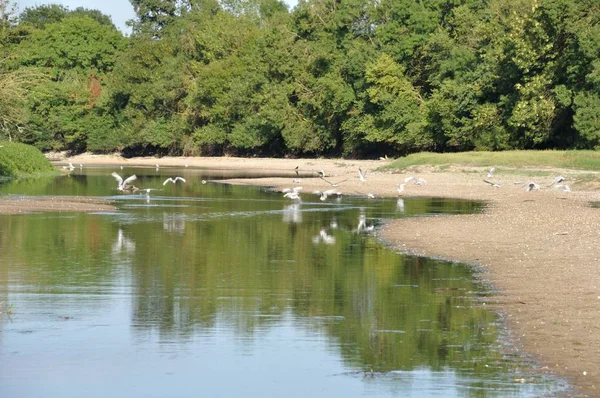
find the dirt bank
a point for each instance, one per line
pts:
(540, 248)
(29, 204)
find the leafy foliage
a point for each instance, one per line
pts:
(19, 159)
(348, 78)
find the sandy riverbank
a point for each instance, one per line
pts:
(539, 248)
(34, 204)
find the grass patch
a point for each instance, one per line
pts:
(580, 160)
(18, 160)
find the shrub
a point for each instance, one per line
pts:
(20, 159)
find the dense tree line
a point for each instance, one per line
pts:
(345, 77)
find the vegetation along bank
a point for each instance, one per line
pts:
(349, 78)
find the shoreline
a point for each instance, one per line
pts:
(538, 249)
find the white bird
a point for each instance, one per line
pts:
(564, 188)
(295, 190)
(157, 166)
(324, 195)
(123, 185)
(321, 173)
(416, 181)
(530, 186)
(557, 180)
(491, 172)
(362, 175)
(292, 195)
(370, 196)
(333, 184)
(173, 180)
(492, 184)
(401, 188)
(80, 166)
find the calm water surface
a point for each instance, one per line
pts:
(225, 291)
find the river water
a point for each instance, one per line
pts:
(224, 291)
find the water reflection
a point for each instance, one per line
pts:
(292, 213)
(400, 205)
(210, 282)
(123, 244)
(324, 237)
(362, 224)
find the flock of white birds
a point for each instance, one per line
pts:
(530, 185)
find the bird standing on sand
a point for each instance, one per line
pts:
(123, 185)
(173, 180)
(401, 188)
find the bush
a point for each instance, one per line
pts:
(20, 159)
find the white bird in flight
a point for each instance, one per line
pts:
(324, 195)
(123, 185)
(557, 180)
(333, 184)
(292, 193)
(492, 184)
(564, 188)
(530, 186)
(362, 175)
(173, 180)
(491, 172)
(416, 181)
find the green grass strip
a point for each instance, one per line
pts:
(575, 159)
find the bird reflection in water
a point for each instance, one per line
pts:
(400, 205)
(323, 237)
(292, 213)
(173, 223)
(362, 224)
(123, 243)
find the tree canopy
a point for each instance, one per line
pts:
(327, 78)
